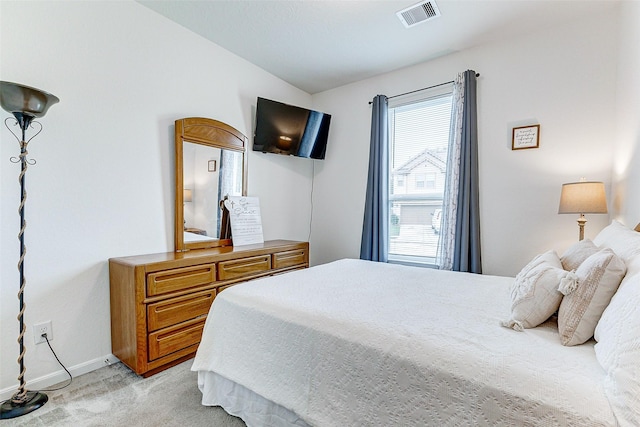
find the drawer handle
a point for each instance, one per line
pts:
(181, 275)
(290, 255)
(166, 307)
(245, 265)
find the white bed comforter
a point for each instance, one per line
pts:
(357, 343)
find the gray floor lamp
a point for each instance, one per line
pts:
(25, 103)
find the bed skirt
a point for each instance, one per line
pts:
(241, 402)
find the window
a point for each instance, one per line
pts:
(430, 182)
(419, 141)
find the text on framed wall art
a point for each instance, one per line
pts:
(525, 137)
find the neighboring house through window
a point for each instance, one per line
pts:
(419, 140)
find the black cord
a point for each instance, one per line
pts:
(63, 367)
(313, 178)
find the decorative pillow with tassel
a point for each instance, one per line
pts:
(582, 306)
(534, 293)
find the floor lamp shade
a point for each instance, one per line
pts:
(584, 197)
(25, 103)
(25, 100)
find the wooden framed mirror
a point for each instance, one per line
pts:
(211, 163)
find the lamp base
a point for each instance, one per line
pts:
(581, 222)
(35, 400)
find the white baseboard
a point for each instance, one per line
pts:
(47, 381)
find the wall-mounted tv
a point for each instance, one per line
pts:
(290, 130)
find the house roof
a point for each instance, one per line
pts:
(427, 156)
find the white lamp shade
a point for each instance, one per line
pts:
(583, 197)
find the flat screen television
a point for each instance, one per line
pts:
(290, 130)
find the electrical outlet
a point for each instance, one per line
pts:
(42, 328)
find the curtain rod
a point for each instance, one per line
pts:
(421, 89)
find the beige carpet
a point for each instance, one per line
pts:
(115, 396)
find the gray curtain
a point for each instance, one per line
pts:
(375, 229)
(466, 254)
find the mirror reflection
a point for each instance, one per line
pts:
(209, 175)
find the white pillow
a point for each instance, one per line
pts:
(618, 351)
(534, 293)
(577, 253)
(598, 279)
(624, 241)
(618, 331)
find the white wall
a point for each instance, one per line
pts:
(562, 78)
(103, 184)
(626, 201)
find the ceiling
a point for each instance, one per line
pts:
(319, 45)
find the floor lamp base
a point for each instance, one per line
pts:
(35, 400)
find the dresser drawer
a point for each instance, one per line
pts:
(235, 269)
(170, 340)
(289, 258)
(176, 310)
(177, 279)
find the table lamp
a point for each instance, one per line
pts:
(583, 197)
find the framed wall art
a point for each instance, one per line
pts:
(524, 137)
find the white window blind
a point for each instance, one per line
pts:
(419, 139)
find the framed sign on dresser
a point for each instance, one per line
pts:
(159, 302)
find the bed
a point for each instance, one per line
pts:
(190, 237)
(354, 342)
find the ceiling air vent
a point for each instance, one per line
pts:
(418, 13)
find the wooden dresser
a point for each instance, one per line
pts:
(159, 302)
